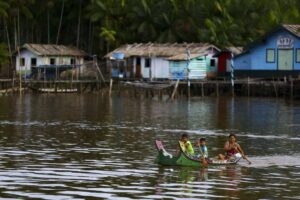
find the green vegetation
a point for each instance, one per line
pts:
(98, 26)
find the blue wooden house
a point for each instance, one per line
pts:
(276, 54)
(200, 66)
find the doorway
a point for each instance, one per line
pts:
(285, 59)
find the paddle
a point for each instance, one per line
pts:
(238, 148)
(249, 162)
(243, 156)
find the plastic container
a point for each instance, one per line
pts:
(118, 55)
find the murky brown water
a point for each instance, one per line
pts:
(90, 147)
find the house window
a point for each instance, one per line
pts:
(147, 62)
(22, 62)
(212, 62)
(33, 62)
(52, 61)
(298, 55)
(72, 61)
(270, 55)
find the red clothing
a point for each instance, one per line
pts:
(231, 152)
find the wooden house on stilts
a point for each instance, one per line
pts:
(47, 61)
(151, 61)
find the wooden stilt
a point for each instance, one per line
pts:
(202, 89)
(217, 89)
(275, 88)
(175, 89)
(292, 88)
(110, 86)
(160, 94)
(189, 89)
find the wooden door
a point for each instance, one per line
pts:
(285, 59)
(138, 68)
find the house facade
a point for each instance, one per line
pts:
(150, 60)
(224, 59)
(200, 66)
(276, 54)
(47, 60)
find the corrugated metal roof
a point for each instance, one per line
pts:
(234, 50)
(160, 49)
(53, 50)
(184, 56)
(293, 28)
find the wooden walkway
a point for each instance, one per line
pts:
(163, 89)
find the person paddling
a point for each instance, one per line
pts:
(232, 148)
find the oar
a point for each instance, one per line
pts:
(245, 158)
(249, 162)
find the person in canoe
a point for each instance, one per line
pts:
(201, 145)
(203, 152)
(187, 146)
(232, 149)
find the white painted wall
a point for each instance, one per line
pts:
(160, 68)
(43, 60)
(27, 55)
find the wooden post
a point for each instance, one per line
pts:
(56, 73)
(80, 87)
(55, 86)
(13, 83)
(202, 89)
(20, 76)
(110, 86)
(160, 94)
(44, 76)
(189, 88)
(292, 88)
(217, 88)
(275, 88)
(175, 89)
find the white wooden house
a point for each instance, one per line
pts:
(47, 59)
(149, 60)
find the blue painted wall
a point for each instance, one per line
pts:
(255, 58)
(199, 67)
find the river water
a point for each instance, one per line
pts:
(93, 147)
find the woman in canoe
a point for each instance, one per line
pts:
(232, 148)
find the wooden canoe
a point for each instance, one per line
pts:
(165, 158)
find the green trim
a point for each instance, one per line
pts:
(267, 58)
(297, 58)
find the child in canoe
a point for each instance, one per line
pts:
(203, 152)
(187, 146)
(232, 149)
(201, 144)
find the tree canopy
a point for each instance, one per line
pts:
(98, 26)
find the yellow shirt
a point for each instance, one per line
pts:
(189, 148)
